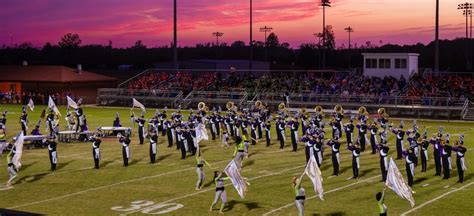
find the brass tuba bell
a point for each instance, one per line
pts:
(201, 106)
(229, 105)
(383, 113)
(338, 109)
(258, 104)
(362, 110)
(281, 106)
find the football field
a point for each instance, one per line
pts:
(168, 187)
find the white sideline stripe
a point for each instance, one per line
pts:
(330, 191)
(435, 199)
(210, 189)
(97, 188)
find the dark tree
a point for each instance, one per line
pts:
(70, 40)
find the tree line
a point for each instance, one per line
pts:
(69, 51)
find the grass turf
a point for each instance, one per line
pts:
(77, 189)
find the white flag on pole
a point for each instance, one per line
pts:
(201, 133)
(71, 102)
(53, 106)
(396, 182)
(314, 173)
(16, 160)
(239, 182)
(138, 104)
(31, 105)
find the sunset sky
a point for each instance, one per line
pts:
(294, 21)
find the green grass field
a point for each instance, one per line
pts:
(168, 186)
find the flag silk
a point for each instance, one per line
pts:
(396, 183)
(239, 182)
(53, 106)
(201, 133)
(71, 102)
(31, 105)
(138, 104)
(16, 160)
(313, 172)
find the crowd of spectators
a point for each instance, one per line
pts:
(148, 80)
(347, 84)
(39, 98)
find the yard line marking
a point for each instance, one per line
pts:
(446, 186)
(425, 185)
(97, 188)
(263, 171)
(210, 189)
(435, 199)
(246, 170)
(107, 186)
(330, 191)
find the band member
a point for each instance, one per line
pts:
(181, 142)
(308, 146)
(446, 159)
(24, 122)
(70, 122)
(437, 147)
(239, 151)
(125, 142)
(362, 138)
(299, 194)
(355, 149)
(12, 169)
(253, 131)
(220, 191)
(53, 155)
(79, 117)
(383, 153)
(3, 120)
(349, 129)
(334, 144)
(141, 128)
(267, 127)
(153, 137)
(425, 144)
(318, 148)
(212, 122)
(338, 118)
(225, 139)
(460, 163)
(410, 158)
(162, 118)
(169, 132)
(294, 133)
(373, 137)
(399, 143)
(96, 150)
(200, 170)
(281, 133)
(380, 202)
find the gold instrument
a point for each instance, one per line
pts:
(383, 113)
(258, 104)
(362, 110)
(230, 105)
(303, 111)
(281, 106)
(201, 105)
(319, 109)
(338, 109)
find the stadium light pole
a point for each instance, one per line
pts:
(349, 30)
(465, 7)
(324, 4)
(251, 39)
(217, 35)
(266, 29)
(436, 66)
(175, 38)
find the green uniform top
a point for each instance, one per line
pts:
(239, 147)
(297, 187)
(3, 137)
(200, 160)
(382, 207)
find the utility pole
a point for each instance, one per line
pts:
(266, 29)
(217, 35)
(175, 38)
(324, 4)
(251, 39)
(349, 30)
(436, 66)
